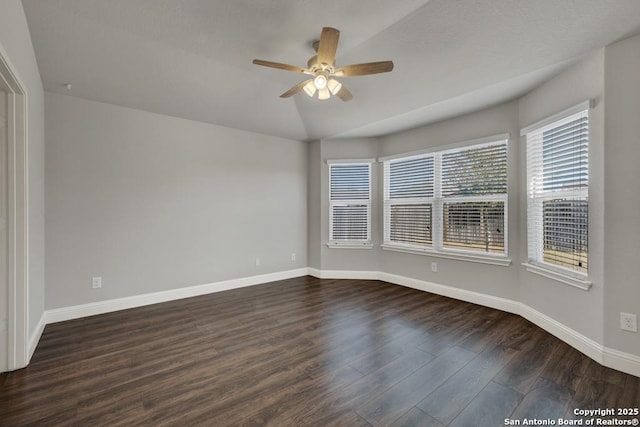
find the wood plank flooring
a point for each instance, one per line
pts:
(306, 352)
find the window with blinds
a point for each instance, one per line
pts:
(409, 201)
(558, 193)
(350, 202)
(474, 193)
(448, 200)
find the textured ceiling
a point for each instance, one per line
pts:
(192, 58)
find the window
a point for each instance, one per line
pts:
(474, 193)
(448, 201)
(409, 201)
(349, 203)
(558, 192)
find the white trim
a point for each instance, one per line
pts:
(350, 245)
(343, 274)
(18, 217)
(37, 334)
(621, 361)
(576, 282)
(314, 272)
(575, 339)
(453, 292)
(349, 161)
(487, 139)
(482, 259)
(100, 307)
(585, 105)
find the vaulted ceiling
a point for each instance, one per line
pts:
(192, 58)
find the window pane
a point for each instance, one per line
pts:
(558, 186)
(475, 171)
(349, 182)
(411, 178)
(564, 156)
(475, 226)
(565, 233)
(349, 203)
(350, 222)
(410, 223)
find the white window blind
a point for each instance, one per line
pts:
(409, 201)
(474, 191)
(448, 200)
(350, 202)
(558, 193)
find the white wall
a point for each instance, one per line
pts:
(152, 203)
(578, 309)
(15, 43)
(314, 204)
(621, 193)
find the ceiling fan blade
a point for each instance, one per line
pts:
(297, 88)
(280, 66)
(328, 45)
(344, 94)
(364, 69)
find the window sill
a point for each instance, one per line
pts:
(482, 259)
(567, 279)
(350, 245)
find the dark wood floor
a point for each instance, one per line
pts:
(306, 352)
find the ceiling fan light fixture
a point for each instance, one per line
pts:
(310, 88)
(320, 81)
(324, 94)
(334, 86)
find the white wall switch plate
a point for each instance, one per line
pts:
(96, 282)
(628, 322)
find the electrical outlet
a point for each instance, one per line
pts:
(96, 282)
(628, 322)
(293, 256)
(434, 267)
(258, 262)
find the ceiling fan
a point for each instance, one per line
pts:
(322, 68)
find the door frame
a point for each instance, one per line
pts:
(17, 217)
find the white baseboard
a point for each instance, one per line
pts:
(609, 357)
(625, 362)
(615, 359)
(343, 274)
(452, 292)
(35, 337)
(100, 307)
(575, 339)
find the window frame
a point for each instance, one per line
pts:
(437, 201)
(350, 243)
(534, 265)
(416, 200)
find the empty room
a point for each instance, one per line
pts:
(337, 213)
